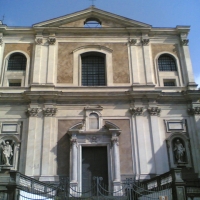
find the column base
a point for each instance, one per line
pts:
(74, 191)
(117, 188)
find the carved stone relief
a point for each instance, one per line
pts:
(136, 110)
(194, 111)
(39, 41)
(33, 112)
(49, 112)
(133, 41)
(145, 42)
(52, 40)
(154, 111)
(1, 40)
(185, 42)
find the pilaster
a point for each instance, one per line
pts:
(147, 59)
(141, 167)
(194, 117)
(48, 143)
(37, 59)
(1, 54)
(51, 59)
(188, 64)
(33, 143)
(134, 61)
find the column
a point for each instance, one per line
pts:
(47, 161)
(160, 158)
(134, 61)
(30, 164)
(74, 169)
(147, 61)
(188, 63)
(37, 60)
(117, 176)
(51, 60)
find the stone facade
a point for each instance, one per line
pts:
(135, 115)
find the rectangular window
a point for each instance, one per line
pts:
(14, 83)
(169, 83)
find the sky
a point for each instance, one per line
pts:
(158, 13)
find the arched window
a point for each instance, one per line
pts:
(92, 23)
(93, 121)
(166, 63)
(17, 61)
(93, 69)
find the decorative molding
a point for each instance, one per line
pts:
(39, 41)
(145, 42)
(154, 111)
(136, 110)
(33, 112)
(133, 41)
(185, 42)
(73, 141)
(52, 40)
(93, 139)
(194, 111)
(175, 125)
(49, 112)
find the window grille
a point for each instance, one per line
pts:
(14, 84)
(166, 63)
(17, 61)
(169, 83)
(93, 70)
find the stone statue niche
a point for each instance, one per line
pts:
(6, 152)
(179, 151)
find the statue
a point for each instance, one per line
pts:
(7, 153)
(179, 151)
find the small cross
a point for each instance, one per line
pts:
(3, 18)
(92, 2)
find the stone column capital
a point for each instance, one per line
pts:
(132, 41)
(145, 42)
(184, 42)
(115, 140)
(49, 112)
(38, 40)
(155, 111)
(136, 110)
(32, 112)
(51, 40)
(194, 111)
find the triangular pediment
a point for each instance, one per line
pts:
(107, 20)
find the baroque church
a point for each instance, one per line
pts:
(93, 93)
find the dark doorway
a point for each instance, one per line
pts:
(94, 163)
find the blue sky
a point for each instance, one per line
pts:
(158, 13)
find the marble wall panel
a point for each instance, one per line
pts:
(63, 148)
(65, 61)
(125, 146)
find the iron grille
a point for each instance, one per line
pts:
(93, 71)
(166, 63)
(17, 61)
(14, 84)
(169, 83)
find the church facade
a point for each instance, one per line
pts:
(96, 94)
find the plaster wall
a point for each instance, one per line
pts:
(121, 72)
